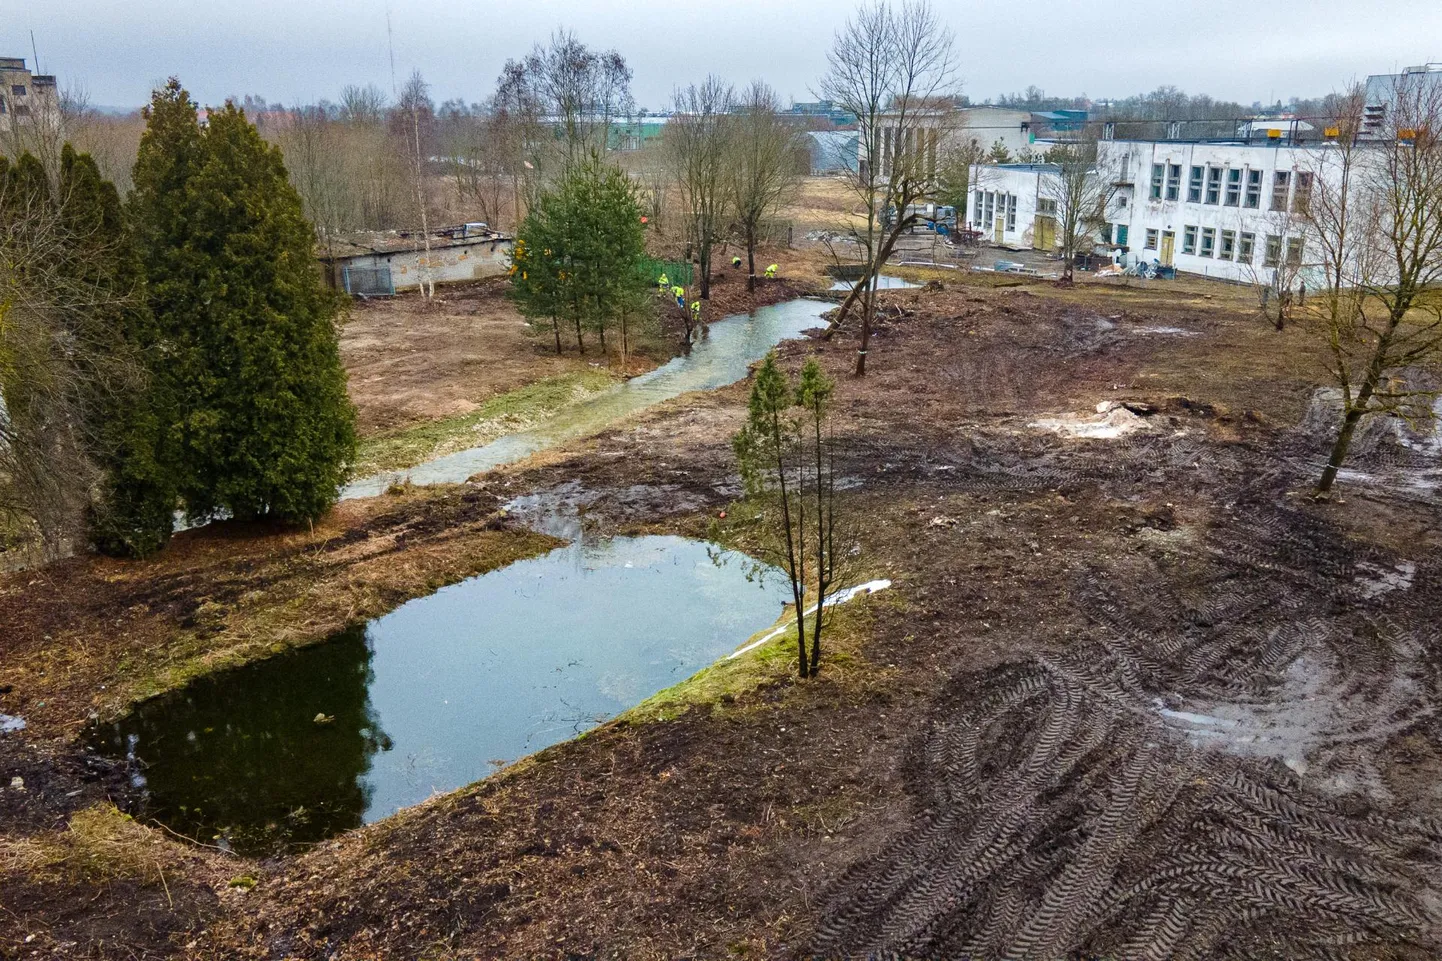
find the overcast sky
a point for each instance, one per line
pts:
(302, 50)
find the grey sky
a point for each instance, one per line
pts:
(302, 50)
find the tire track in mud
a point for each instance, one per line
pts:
(1124, 798)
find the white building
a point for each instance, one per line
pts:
(1227, 210)
(931, 133)
(384, 263)
(1010, 205)
(1382, 92)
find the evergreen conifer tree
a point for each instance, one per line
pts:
(264, 427)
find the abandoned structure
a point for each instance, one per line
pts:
(29, 102)
(380, 264)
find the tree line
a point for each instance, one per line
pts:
(171, 354)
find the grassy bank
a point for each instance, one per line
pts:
(504, 414)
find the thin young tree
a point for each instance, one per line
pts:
(785, 453)
(891, 67)
(698, 142)
(761, 169)
(1395, 322)
(417, 115)
(1081, 185)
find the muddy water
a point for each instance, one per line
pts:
(436, 694)
(732, 345)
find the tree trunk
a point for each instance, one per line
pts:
(705, 267)
(556, 326)
(580, 343)
(868, 304)
(750, 261)
(1339, 451)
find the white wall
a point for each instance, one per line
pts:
(1143, 212)
(448, 264)
(1022, 185)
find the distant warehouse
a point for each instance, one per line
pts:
(382, 263)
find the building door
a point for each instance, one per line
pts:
(1044, 233)
(1169, 241)
(999, 230)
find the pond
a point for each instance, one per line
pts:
(439, 693)
(723, 357)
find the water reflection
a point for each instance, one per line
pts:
(240, 759)
(439, 692)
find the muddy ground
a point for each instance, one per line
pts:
(1134, 695)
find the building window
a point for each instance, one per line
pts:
(976, 210)
(1254, 189)
(1294, 251)
(22, 110)
(1121, 235)
(1245, 242)
(1157, 171)
(1151, 239)
(1229, 245)
(1234, 187)
(1011, 211)
(1046, 207)
(1279, 189)
(1189, 240)
(18, 89)
(1214, 185)
(1273, 255)
(1174, 181)
(1209, 241)
(1302, 196)
(1194, 186)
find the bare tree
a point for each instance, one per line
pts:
(890, 66)
(1394, 325)
(761, 170)
(414, 107)
(316, 157)
(1277, 282)
(697, 144)
(566, 97)
(1082, 186)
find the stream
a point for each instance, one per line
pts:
(733, 344)
(449, 688)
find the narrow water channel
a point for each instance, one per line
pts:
(438, 693)
(723, 357)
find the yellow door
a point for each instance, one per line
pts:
(1044, 233)
(999, 231)
(1169, 241)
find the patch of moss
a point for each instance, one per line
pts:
(505, 414)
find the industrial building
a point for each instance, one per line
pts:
(28, 101)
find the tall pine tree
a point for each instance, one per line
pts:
(264, 427)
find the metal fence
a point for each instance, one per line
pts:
(368, 281)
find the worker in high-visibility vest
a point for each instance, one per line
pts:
(696, 311)
(662, 282)
(736, 262)
(680, 294)
(771, 272)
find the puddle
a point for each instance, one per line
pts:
(9, 723)
(1166, 331)
(883, 282)
(1376, 580)
(734, 343)
(437, 694)
(1321, 720)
